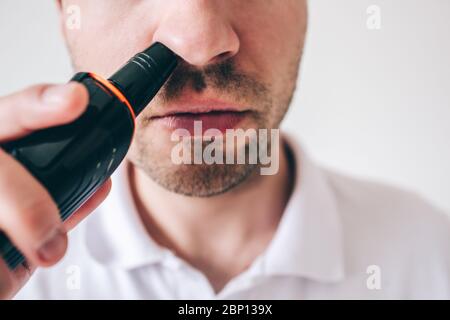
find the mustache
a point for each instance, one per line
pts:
(222, 77)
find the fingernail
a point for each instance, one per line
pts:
(53, 247)
(57, 94)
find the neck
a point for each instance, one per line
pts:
(221, 235)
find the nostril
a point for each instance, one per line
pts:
(221, 57)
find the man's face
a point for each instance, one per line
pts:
(240, 59)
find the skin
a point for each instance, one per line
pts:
(247, 53)
(208, 36)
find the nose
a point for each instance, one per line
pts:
(198, 31)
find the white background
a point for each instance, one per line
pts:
(373, 103)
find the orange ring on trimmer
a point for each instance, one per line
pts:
(115, 91)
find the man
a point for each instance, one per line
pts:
(171, 230)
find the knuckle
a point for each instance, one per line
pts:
(38, 208)
(30, 94)
(38, 216)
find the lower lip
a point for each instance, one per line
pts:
(213, 120)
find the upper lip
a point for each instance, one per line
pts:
(198, 107)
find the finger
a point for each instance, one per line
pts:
(28, 215)
(88, 206)
(23, 272)
(21, 275)
(7, 284)
(39, 107)
(12, 281)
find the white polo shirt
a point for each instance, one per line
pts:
(339, 238)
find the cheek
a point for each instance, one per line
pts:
(150, 145)
(104, 42)
(272, 39)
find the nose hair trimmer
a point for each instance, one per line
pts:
(72, 161)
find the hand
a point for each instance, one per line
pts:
(28, 215)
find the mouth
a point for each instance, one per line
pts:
(196, 118)
(193, 122)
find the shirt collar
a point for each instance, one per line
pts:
(307, 243)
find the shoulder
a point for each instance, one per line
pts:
(390, 208)
(397, 230)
